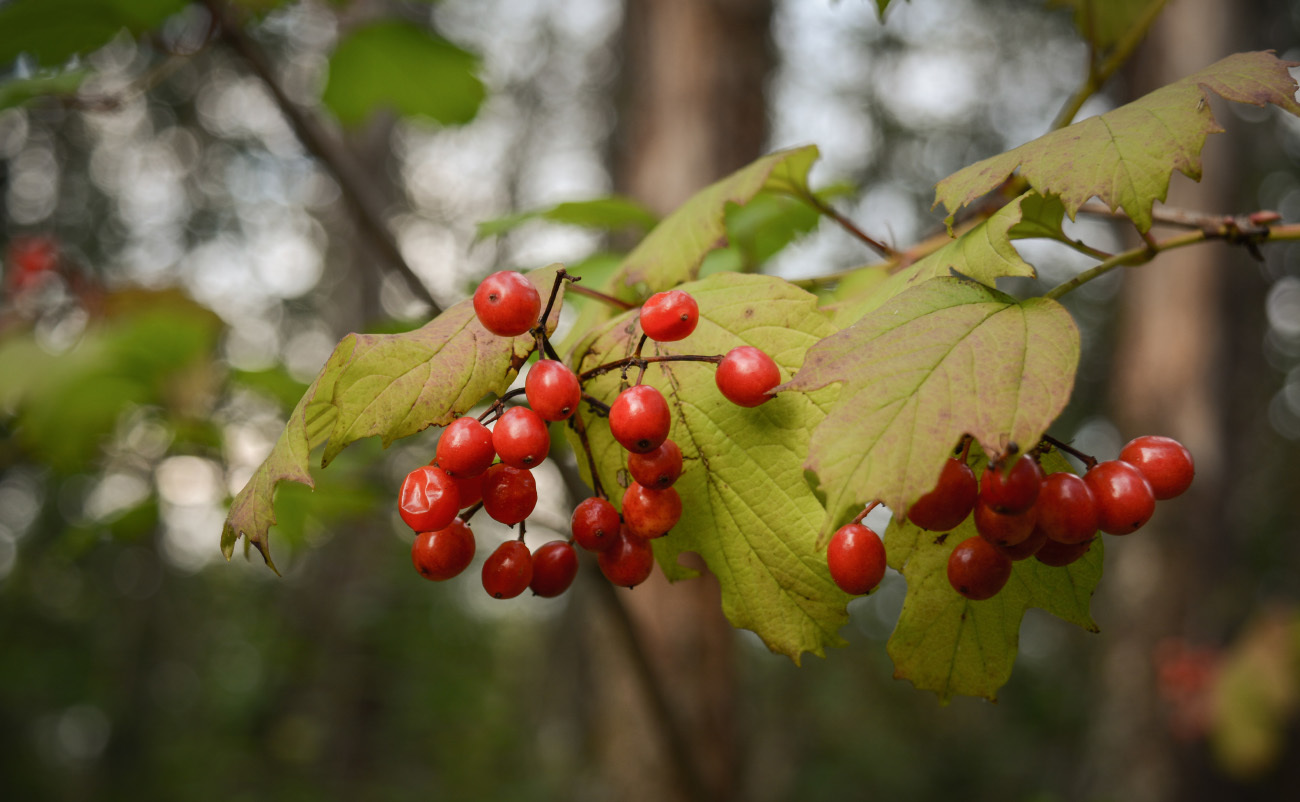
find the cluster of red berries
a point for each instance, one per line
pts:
(1021, 513)
(476, 466)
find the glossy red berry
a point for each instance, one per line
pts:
(977, 570)
(465, 448)
(745, 375)
(639, 419)
(856, 558)
(509, 493)
(1165, 462)
(469, 489)
(595, 524)
(443, 554)
(507, 303)
(951, 500)
(1059, 555)
(1026, 548)
(520, 438)
(1002, 529)
(508, 570)
(669, 316)
(428, 500)
(555, 565)
(1013, 489)
(1123, 495)
(552, 390)
(1067, 511)
(657, 469)
(628, 561)
(650, 513)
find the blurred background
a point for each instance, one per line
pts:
(196, 207)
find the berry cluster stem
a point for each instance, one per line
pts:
(643, 361)
(1088, 461)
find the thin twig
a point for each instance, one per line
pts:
(1088, 460)
(633, 361)
(848, 225)
(580, 426)
(600, 296)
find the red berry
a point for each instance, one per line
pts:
(951, 500)
(639, 419)
(1165, 462)
(555, 565)
(856, 558)
(745, 375)
(469, 489)
(520, 438)
(1058, 554)
(1026, 548)
(553, 390)
(669, 316)
(428, 500)
(628, 561)
(1012, 490)
(508, 570)
(1067, 511)
(1123, 495)
(977, 570)
(507, 303)
(445, 553)
(650, 513)
(657, 469)
(595, 524)
(509, 494)
(1002, 529)
(465, 448)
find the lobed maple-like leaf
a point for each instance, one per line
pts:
(1126, 156)
(948, 644)
(674, 250)
(747, 510)
(389, 385)
(943, 359)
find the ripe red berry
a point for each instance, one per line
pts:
(555, 565)
(650, 513)
(1003, 529)
(1165, 462)
(1123, 495)
(469, 489)
(669, 316)
(507, 303)
(1014, 489)
(428, 500)
(639, 419)
(856, 558)
(552, 390)
(595, 524)
(951, 500)
(520, 438)
(509, 493)
(445, 553)
(1026, 548)
(465, 448)
(657, 469)
(628, 561)
(745, 375)
(508, 570)
(1067, 511)
(977, 570)
(1059, 555)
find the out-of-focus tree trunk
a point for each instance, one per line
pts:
(691, 111)
(1167, 379)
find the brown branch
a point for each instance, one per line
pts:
(600, 296)
(642, 361)
(353, 180)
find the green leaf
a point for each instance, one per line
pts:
(673, 251)
(951, 645)
(611, 214)
(17, 91)
(1105, 22)
(984, 253)
(751, 516)
(402, 67)
(52, 31)
(945, 358)
(389, 385)
(1126, 156)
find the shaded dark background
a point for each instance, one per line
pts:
(210, 253)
